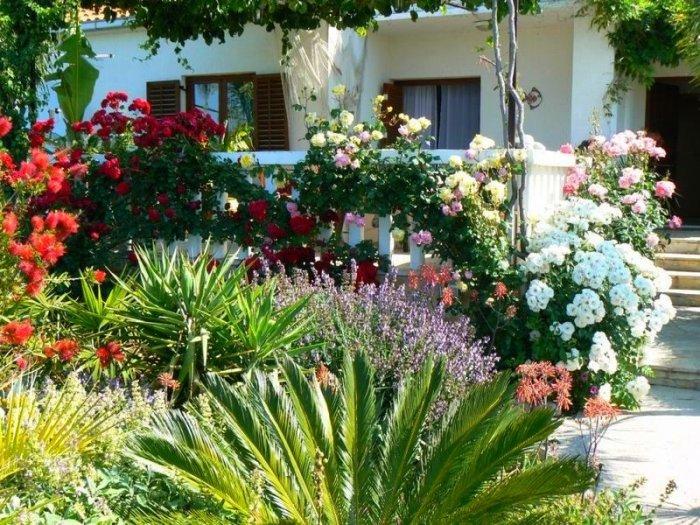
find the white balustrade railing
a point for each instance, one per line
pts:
(545, 175)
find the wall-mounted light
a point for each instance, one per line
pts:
(534, 98)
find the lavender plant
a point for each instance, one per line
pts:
(398, 327)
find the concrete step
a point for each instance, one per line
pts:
(667, 376)
(679, 261)
(685, 280)
(675, 354)
(688, 245)
(681, 297)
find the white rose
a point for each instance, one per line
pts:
(638, 387)
(497, 190)
(605, 392)
(479, 142)
(346, 118)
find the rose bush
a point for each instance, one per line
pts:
(594, 302)
(621, 171)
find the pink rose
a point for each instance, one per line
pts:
(675, 222)
(597, 190)
(664, 189)
(631, 198)
(470, 154)
(640, 206)
(566, 148)
(652, 241)
(341, 159)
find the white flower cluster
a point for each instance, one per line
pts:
(538, 295)
(587, 308)
(602, 356)
(604, 269)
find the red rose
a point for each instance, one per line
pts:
(302, 224)
(140, 105)
(275, 232)
(122, 188)
(16, 333)
(366, 273)
(258, 210)
(111, 168)
(330, 216)
(163, 199)
(194, 205)
(169, 213)
(99, 276)
(153, 215)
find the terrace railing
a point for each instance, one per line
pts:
(546, 172)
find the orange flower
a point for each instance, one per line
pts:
(166, 380)
(500, 290)
(597, 407)
(447, 296)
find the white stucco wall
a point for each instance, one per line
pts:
(559, 54)
(128, 69)
(415, 52)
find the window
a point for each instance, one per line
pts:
(244, 100)
(452, 105)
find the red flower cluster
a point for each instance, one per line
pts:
(16, 333)
(366, 273)
(111, 168)
(110, 352)
(540, 380)
(43, 248)
(99, 276)
(37, 134)
(5, 126)
(302, 224)
(36, 173)
(65, 349)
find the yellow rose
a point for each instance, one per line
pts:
(377, 135)
(479, 142)
(318, 140)
(339, 90)
(398, 234)
(492, 215)
(346, 118)
(497, 190)
(446, 195)
(247, 161)
(455, 161)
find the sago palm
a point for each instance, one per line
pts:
(191, 317)
(281, 448)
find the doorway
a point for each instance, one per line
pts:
(673, 115)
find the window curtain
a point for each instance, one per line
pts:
(459, 115)
(422, 101)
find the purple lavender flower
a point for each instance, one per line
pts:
(398, 328)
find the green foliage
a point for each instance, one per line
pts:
(28, 32)
(184, 20)
(645, 33)
(283, 448)
(607, 507)
(76, 76)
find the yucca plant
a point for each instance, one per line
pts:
(192, 316)
(281, 448)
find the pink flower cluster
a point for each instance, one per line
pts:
(422, 238)
(636, 200)
(575, 178)
(343, 157)
(629, 177)
(452, 209)
(628, 143)
(355, 218)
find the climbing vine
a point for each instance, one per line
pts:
(646, 33)
(28, 34)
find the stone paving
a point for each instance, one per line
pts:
(661, 441)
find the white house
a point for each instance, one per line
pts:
(431, 67)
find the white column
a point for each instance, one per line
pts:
(592, 70)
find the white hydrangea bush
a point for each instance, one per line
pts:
(593, 304)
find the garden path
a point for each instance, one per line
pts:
(660, 441)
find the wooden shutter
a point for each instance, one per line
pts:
(164, 97)
(394, 93)
(271, 129)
